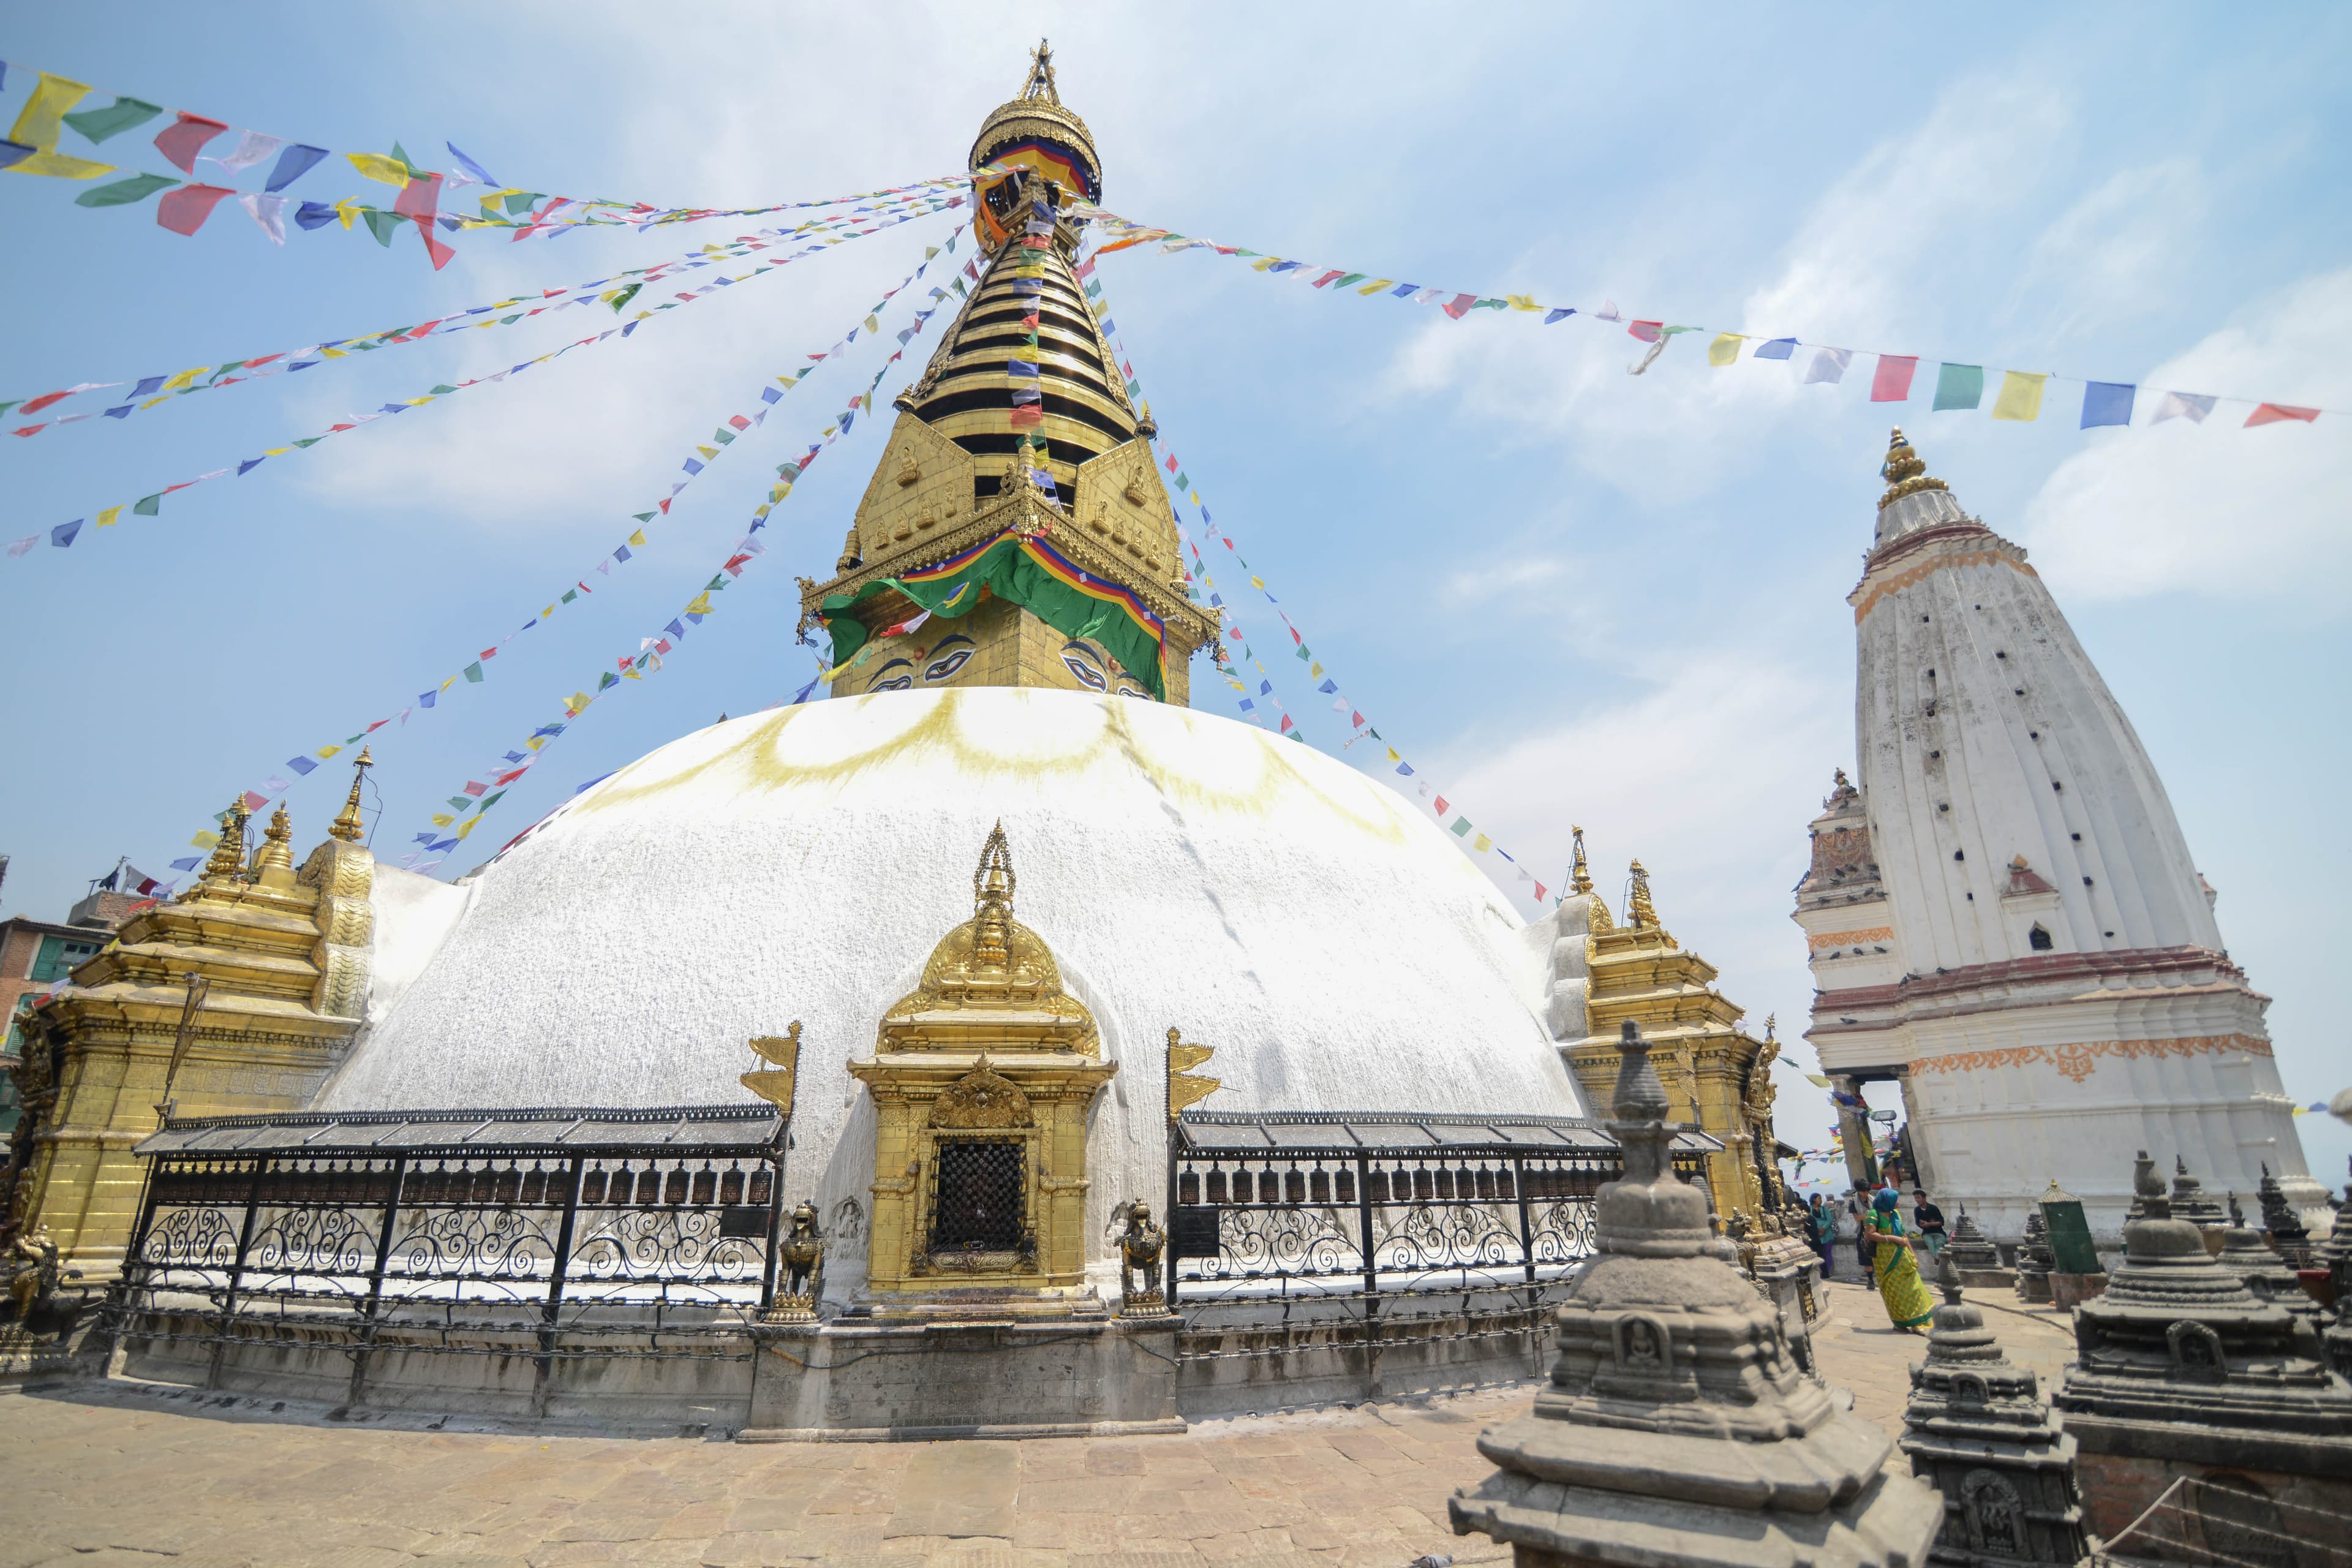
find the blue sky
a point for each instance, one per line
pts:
(1568, 594)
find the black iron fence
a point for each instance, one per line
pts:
(1268, 1204)
(446, 1230)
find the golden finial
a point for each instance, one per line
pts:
(1579, 875)
(1904, 472)
(228, 856)
(274, 861)
(992, 882)
(1771, 1021)
(1040, 74)
(348, 826)
(1638, 910)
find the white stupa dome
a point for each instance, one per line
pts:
(1188, 870)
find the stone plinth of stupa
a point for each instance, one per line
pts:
(1784, 1269)
(1974, 1255)
(2245, 1254)
(2035, 1262)
(1678, 1431)
(1978, 1431)
(2181, 1371)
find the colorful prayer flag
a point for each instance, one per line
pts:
(2272, 412)
(1725, 349)
(1892, 382)
(2189, 406)
(1959, 387)
(2020, 395)
(2106, 403)
(1829, 365)
(1779, 348)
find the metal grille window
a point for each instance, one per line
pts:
(978, 1207)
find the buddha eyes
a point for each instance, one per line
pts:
(896, 683)
(1085, 672)
(940, 669)
(1134, 691)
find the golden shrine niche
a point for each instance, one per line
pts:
(982, 1079)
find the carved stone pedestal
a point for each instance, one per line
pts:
(1678, 1431)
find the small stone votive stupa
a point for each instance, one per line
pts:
(2245, 1254)
(2180, 1371)
(2190, 1201)
(1678, 1431)
(2035, 1262)
(1972, 1252)
(1978, 1430)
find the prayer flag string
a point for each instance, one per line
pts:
(476, 671)
(616, 291)
(33, 148)
(1957, 386)
(64, 535)
(480, 795)
(1178, 478)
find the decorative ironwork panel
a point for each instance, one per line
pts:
(977, 1204)
(440, 1242)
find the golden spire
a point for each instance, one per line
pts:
(274, 862)
(1904, 472)
(348, 826)
(1040, 74)
(228, 856)
(1638, 910)
(992, 882)
(1579, 875)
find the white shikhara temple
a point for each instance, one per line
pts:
(2004, 916)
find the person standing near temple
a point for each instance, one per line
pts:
(1822, 1222)
(1896, 1273)
(1929, 1219)
(1852, 1231)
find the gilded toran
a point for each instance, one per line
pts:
(955, 471)
(283, 953)
(1639, 972)
(988, 1048)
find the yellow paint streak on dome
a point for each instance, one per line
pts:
(946, 733)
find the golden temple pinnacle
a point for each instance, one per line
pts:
(1579, 875)
(1640, 912)
(227, 862)
(347, 827)
(1906, 474)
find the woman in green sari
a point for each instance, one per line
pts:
(1899, 1286)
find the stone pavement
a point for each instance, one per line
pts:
(113, 1474)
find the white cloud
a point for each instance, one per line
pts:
(1854, 270)
(2118, 252)
(2216, 509)
(1708, 771)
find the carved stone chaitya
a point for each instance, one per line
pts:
(2181, 1371)
(1974, 1254)
(2035, 1262)
(2283, 1224)
(2190, 1201)
(1976, 1429)
(1677, 1428)
(982, 1078)
(2245, 1254)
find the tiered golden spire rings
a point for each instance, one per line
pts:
(228, 863)
(1579, 875)
(1040, 74)
(348, 826)
(1906, 474)
(992, 882)
(277, 848)
(1638, 910)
